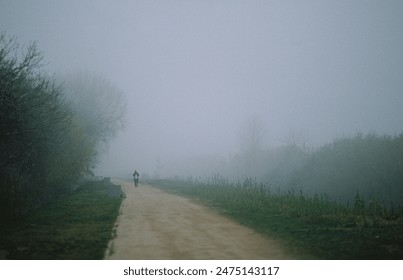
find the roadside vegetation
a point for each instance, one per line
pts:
(73, 227)
(51, 131)
(311, 227)
(370, 164)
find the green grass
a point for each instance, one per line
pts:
(309, 227)
(77, 226)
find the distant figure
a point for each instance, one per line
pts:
(136, 176)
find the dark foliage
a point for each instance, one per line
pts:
(45, 147)
(371, 165)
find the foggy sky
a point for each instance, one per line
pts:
(195, 71)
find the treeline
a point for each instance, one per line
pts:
(368, 165)
(46, 142)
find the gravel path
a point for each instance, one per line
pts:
(156, 225)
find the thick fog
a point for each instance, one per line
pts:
(195, 73)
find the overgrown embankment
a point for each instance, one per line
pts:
(77, 226)
(308, 225)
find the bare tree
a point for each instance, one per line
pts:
(100, 104)
(253, 135)
(249, 162)
(297, 138)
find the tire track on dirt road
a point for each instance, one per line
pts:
(155, 225)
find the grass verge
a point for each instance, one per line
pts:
(76, 227)
(311, 228)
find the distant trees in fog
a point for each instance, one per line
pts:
(370, 165)
(47, 143)
(250, 159)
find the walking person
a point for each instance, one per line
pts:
(136, 176)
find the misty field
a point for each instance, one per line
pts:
(309, 226)
(77, 226)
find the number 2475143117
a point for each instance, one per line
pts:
(255, 270)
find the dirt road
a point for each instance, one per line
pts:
(156, 225)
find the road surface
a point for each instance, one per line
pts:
(155, 225)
